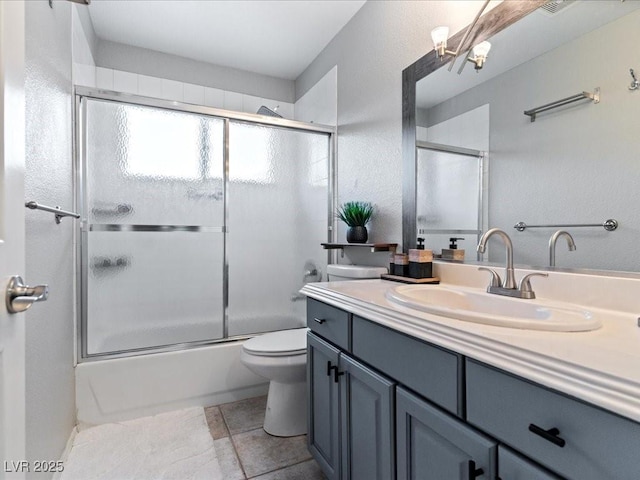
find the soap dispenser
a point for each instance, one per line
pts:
(453, 253)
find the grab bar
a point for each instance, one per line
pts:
(595, 96)
(609, 225)
(59, 213)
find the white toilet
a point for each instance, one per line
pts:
(337, 273)
(281, 357)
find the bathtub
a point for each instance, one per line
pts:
(124, 388)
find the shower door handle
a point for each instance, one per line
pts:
(20, 297)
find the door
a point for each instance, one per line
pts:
(323, 423)
(432, 445)
(12, 138)
(368, 423)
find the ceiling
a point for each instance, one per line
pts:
(532, 36)
(276, 38)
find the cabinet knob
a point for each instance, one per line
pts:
(473, 471)
(319, 320)
(551, 435)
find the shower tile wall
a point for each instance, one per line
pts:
(126, 82)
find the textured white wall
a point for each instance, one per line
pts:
(49, 247)
(371, 51)
(577, 164)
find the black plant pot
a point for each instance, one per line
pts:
(357, 235)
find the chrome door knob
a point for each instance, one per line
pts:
(20, 297)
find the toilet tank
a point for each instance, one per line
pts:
(338, 273)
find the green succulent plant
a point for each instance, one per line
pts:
(355, 214)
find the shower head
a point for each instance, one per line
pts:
(267, 111)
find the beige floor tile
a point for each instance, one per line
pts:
(216, 423)
(244, 415)
(308, 470)
(228, 460)
(260, 453)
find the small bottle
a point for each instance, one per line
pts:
(401, 265)
(453, 253)
(420, 263)
(420, 245)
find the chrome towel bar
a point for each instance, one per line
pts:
(59, 213)
(609, 225)
(595, 96)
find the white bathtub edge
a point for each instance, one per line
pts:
(133, 387)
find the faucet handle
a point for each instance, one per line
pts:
(496, 281)
(525, 283)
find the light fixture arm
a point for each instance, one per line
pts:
(466, 34)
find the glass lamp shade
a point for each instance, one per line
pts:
(482, 49)
(439, 35)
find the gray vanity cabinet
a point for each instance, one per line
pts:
(323, 406)
(433, 445)
(368, 423)
(351, 415)
(512, 466)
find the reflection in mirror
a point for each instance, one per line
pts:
(576, 164)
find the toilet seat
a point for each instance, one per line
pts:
(278, 344)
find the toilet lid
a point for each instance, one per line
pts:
(285, 342)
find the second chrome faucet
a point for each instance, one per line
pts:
(508, 287)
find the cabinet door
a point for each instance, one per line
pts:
(368, 423)
(432, 445)
(512, 466)
(323, 405)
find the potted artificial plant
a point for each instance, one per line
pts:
(356, 215)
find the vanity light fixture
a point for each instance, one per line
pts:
(440, 36)
(480, 52)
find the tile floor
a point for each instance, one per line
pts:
(246, 451)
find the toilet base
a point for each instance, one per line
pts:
(286, 414)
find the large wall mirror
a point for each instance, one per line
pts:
(575, 164)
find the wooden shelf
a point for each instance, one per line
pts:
(375, 247)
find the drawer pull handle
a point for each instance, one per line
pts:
(336, 373)
(329, 368)
(319, 320)
(550, 435)
(473, 471)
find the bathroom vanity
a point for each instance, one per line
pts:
(395, 392)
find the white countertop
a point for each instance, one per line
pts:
(601, 367)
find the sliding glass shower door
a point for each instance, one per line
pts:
(154, 239)
(278, 191)
(196, 227)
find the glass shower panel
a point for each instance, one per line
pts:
(153, 166)
(153, 244)
(149, 289)
(448, 191)
(277, 218)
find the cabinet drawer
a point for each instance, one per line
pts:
(597, 444)
(329, 322)
(424, 368)
(512, 466)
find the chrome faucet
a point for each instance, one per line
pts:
(509, 276)
(552, 245)
(508, 287)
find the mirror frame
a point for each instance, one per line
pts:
(497, 19)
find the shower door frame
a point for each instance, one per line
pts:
(82, 229)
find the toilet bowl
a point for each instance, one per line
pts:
(281, 357)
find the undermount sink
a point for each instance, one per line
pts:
(475, 305)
